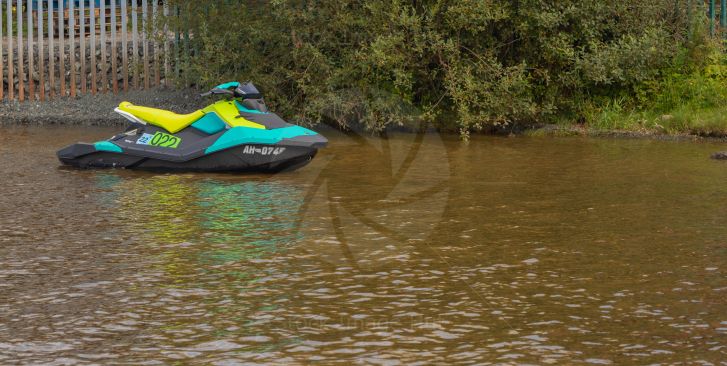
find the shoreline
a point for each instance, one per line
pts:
(585, 131)
(98, 110)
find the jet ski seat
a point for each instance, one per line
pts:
(167, 120)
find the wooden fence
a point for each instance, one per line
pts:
(57, 48)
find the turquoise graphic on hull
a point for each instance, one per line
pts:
(107, 146)
(244, 135)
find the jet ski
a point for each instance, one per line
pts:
(236, 134)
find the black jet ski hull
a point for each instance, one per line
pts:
(243, 158)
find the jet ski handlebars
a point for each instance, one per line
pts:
(235, 89)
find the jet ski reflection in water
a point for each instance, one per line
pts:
(236, 134)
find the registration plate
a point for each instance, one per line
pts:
(160, 139)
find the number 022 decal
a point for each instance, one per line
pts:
(160, 139)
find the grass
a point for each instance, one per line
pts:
(691, 103)
(686, 119)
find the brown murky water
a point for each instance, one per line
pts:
(413, 250)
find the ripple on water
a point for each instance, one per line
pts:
(509, 265)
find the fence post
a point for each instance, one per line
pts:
(104, 61)
(177, 43)
(31, 32)
(41, 53)
(21, 61)
(11, 81)
(114, 70)
(165, 10)
(92, 31)
(62, 46)
(72, 38)
(135, 42)
(51, 52)
(145, 39)
(124, 46)
(155, 23)
(187, 54)
(82, 41)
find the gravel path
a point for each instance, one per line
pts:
(96, 110)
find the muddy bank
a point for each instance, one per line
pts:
(96, 110)
(580, 130)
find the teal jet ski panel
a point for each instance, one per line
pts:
(107, 146)
(231, 84)
(210, 124)
(243, 135)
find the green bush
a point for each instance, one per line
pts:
(683, 100)
(465, 64)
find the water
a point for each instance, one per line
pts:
(410, 250)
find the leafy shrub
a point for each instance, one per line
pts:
(466, 64)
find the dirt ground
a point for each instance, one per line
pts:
(96, 110)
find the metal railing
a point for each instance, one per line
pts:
(712, 14)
